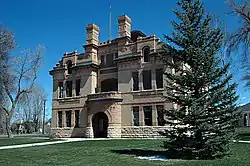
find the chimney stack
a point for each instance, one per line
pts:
(124, 26)
(92, 34)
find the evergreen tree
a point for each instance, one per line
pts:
(203, 124)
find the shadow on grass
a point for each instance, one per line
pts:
(139, 152)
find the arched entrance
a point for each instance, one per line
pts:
(100, 125)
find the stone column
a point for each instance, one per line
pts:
(153, 78)
(72, 118)
(140, 79)
(141, 116)
(89, 128)
(73, 88)
(154, 116)
(63, 119)
(114, 128)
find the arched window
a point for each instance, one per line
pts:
(69, 67)
(146, 51)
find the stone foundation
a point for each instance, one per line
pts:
(143, 131)
(114, 132)
(68, 132)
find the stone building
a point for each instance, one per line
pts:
(113, 89)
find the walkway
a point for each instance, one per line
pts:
(65, 140)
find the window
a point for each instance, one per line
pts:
(69, 67)
(60, 86)
(68, 118)
(102, 60)
(78, 87)
(109, 59)
(146, 55)
(116, 55)
(160, 115)
(159, 78)
(135, 77)
(136, 116)
(69, 88)
(59, 114)
(147, 79)
(245, 120)
(77, 117)
(147, 115)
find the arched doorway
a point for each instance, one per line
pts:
(100, 125)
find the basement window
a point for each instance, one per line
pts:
(69, 88)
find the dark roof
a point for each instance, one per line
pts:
(135, 34)
(245, 108)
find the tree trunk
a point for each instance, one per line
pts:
(8, 126)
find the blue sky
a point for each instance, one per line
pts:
(60, 26)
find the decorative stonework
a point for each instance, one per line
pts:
(143, 131)
(89, 132)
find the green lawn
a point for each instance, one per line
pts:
(4, 141)
(110, 152)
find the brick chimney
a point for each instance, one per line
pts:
(124, 26)
(92, 34)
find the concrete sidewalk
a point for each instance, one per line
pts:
(65, 140)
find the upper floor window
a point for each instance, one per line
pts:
(60, 87)
(147, 79)
(159, 78)
(69, 67)
(109, 59)
(69, 88)
(102, 60)
(146, 56)
(78, 87)
(135, 77)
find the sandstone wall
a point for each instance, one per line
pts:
(143, 131)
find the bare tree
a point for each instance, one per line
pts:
(20, 81)
(240, 39)
(7, 43)
(31, 107)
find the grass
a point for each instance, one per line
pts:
(4, 141)
(109, 153)
(244, 133)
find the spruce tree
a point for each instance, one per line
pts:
(203, 123)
